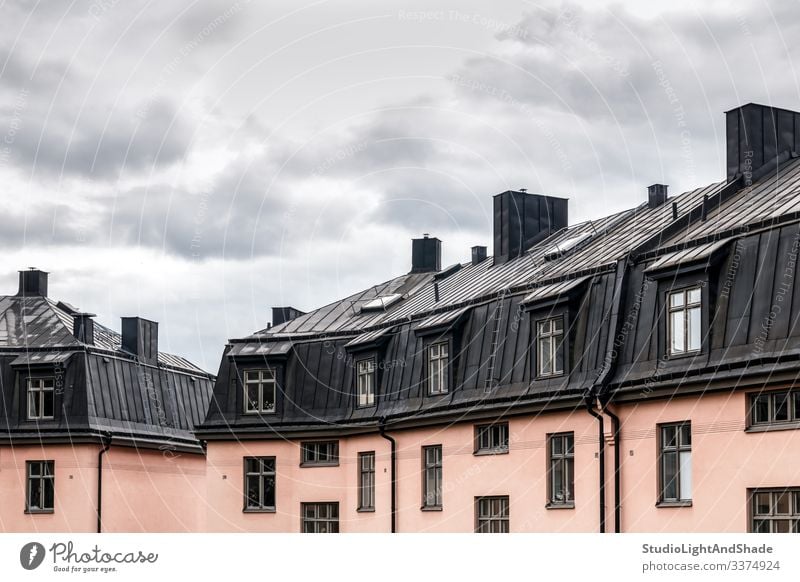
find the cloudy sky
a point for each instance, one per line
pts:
(199, 162)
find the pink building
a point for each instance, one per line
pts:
(635, 373)
(96, 426)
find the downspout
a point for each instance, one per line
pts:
(602, 456)
(106, 446)
(617, 469)
(393, 470)
(599, 389)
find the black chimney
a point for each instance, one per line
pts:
(83, 327)
(521, 220)
(426, 254)
(283, 314)
(140, 338)
(478, 254)
(757, 135)
(656, 195)
(32, 282)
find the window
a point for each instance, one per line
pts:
(491, 514)
(437, 368)
(366, 481)
(432, 477)
(775, 408)
(685, 329)
(320, 517)
(776, 510)
(676, 462)
(259, 391)
(550, 347)
(41, 487)
(562, 468)
(320, 453)
(41, 398)
(491, 438)
(365, 382)
(259, 483)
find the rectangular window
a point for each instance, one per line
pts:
(41, 398)
(684, 321)
(550, 347)
(432, 476)
(491, 514)
(41, 487)
(365, 382)
(562, 468)
(437, 368)
(775, 408)
(259, 483)
(320, 453)
(491, 438)
(675, 441)
(259, 391)
(366, 481)
(320, 517)
(775, 510)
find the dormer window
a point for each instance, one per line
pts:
(550, 347)
(684, 321)
(259, 391)
(41, 398)
(438, 358)
(365, 382)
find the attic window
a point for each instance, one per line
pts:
(382, 302)
(559, 249)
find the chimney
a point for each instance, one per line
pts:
(283, 314)
(478, 254)
(757, 135)
(83, 327)
(656, 195)
(32, 282)
(521, 220)
(426, 254)
(140, 338)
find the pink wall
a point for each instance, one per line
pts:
(726, 461)
(521, 474)
(142, 490)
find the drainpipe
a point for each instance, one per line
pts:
(602, 456)
(106, 446)
(617, 468)
(393, 469)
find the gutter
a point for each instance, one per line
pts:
(106, 446)
(382, 429)
(615, 424)
(602, 455)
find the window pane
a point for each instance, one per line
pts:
(558, 481)
(570, 441)
(797, 405)
(251, 465)
(686, 435)
(781, 406)
(252, 396)
(557, 445)
(693, 295)
(676, 332)
(797, 503)
(761, 526)
(676, 299)
(782, 526)
(761, 409)
(47, 404)
(686, 475)
(569, 470)
(668, 436)
(762, 504)
(252, 491)
(269, 491)
(670, 469)
(695, 331)
(782, 503)
(49, 494)
(33, 404)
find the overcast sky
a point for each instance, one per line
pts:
(199, 162)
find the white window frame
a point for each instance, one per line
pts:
(38, 389)
(438, 364)
(265, 379)
(549, 341)
(679, 306)
(366, 378)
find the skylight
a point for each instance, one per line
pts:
(565, 245)
(382, 302)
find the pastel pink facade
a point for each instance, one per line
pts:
(143, 490)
